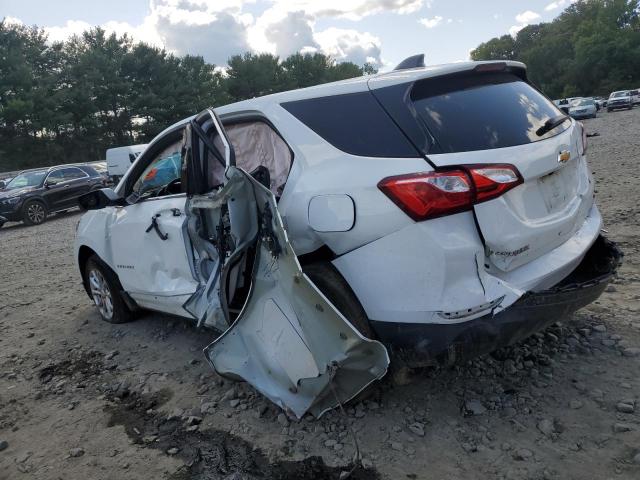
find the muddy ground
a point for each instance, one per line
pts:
(80, 398)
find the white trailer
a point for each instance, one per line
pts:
(119, 159)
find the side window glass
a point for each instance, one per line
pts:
(73, 174)
(55, 177)
(354, 123)
(161, 172)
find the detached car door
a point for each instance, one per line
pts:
(280, 333)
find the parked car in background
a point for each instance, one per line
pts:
(635, 96)
(618, 100)
(101, 168)
(119, 160)
(601, 102)
(583, 108)
(34, 194)
(562, 104)
(443, 211)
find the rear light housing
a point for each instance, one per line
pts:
(584, 138)
(435, 194)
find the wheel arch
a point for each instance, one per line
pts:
(84, 254)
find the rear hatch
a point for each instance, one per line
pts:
(493, 117)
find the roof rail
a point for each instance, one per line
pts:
(414, 61)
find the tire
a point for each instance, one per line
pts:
(608, 110)
(105, 288)
(338, 291)
(34, 212)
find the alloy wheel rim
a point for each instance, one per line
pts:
(35, 212)
(101, 294)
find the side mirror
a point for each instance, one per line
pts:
(97, 199)
(2, 184)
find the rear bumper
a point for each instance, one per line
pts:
(422, 344)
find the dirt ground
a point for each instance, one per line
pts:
(80, 398)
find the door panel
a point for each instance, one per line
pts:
(151, 265)
(54, 194)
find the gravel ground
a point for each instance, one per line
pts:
(80, 398)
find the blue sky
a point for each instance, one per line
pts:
(382, 32)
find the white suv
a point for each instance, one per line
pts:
(434, 213)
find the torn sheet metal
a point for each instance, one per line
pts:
(289, 341)
(208, 303)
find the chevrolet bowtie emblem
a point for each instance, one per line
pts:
(564, 156)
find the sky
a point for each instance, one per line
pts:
(381, 32)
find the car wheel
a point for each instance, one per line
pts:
(337, 290)
(105, 288)
(608, 110)
(34, 212)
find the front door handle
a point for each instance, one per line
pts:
(154, 226)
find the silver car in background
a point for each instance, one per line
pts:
(620, 99)
(583, 108)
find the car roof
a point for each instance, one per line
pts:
(362, 84)
(351, 85)
(53, 167)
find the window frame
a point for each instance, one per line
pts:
(146, 158)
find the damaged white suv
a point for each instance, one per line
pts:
(431, 212)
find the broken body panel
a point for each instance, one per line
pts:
(287, 340)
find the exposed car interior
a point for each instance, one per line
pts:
(257, 145)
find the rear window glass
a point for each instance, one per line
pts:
(482, 112)
(354, 123)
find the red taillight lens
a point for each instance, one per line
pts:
(435, 194)
(492, 181)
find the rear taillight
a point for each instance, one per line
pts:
(435, 194)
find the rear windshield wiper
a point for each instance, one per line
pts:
(551, 124)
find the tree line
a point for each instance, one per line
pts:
(69, 101)
(591, 48)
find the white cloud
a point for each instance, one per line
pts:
(345, 45)
(431, 22)
(216, 39)
(292, 34)
(523, 19)
(527, 17)
(217, 29)
(72, 27)
(350, 9)
(513, 31)
(283, 30)
(559, 4)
